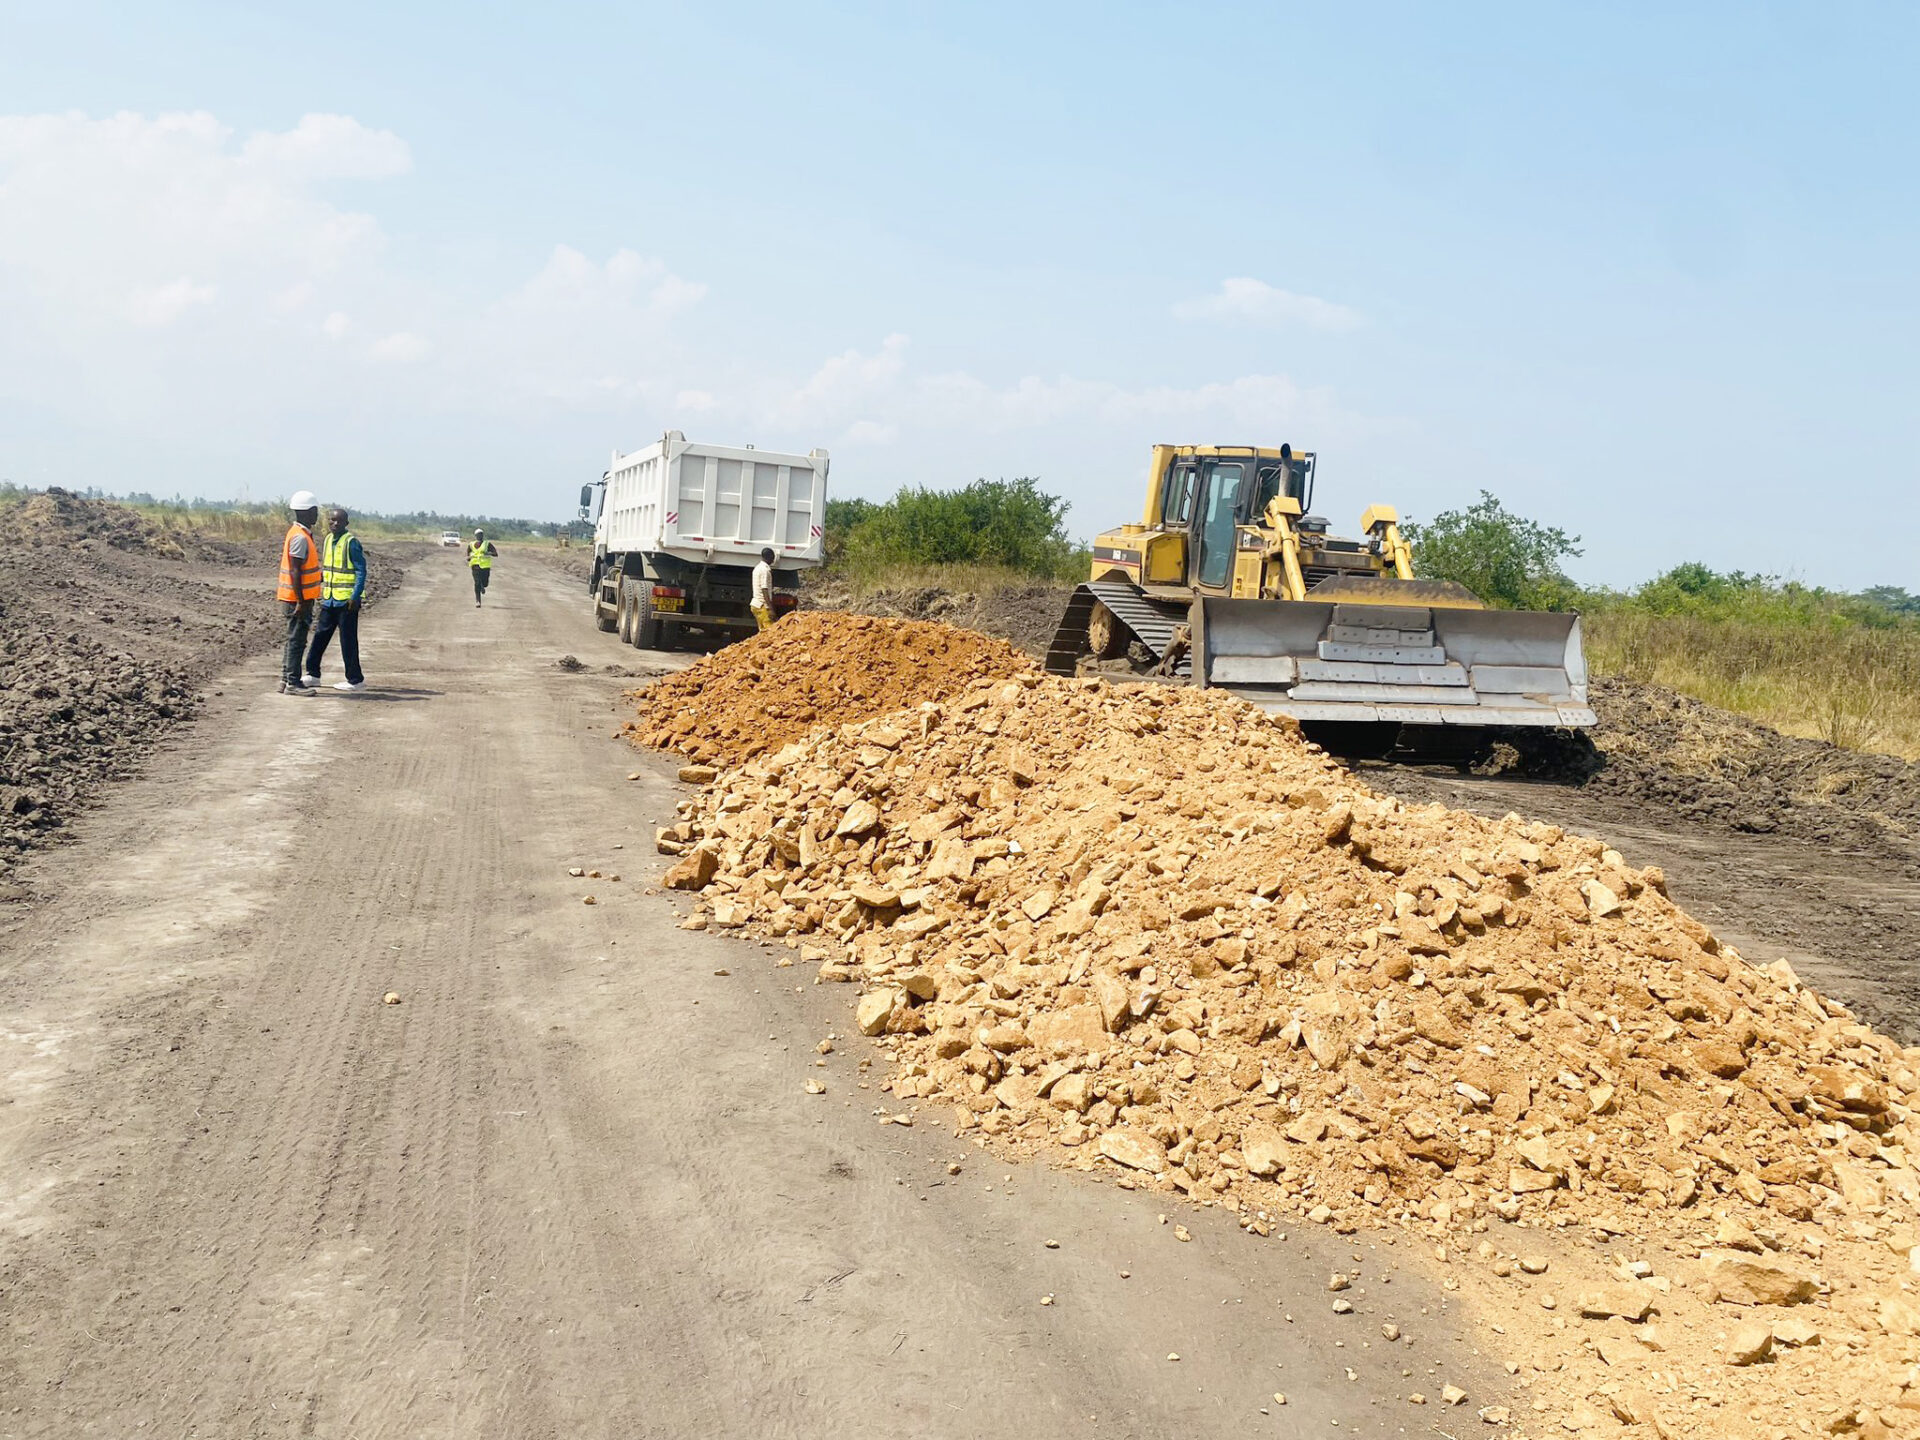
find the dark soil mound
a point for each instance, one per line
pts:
(110, 626)
(1667, 749)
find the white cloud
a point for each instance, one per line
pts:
(132, 203)
(874, 396)
(166, 278)
(571, 281)
(402, 347)
(328, 147)
(1259, 303)
(164, 304)
(296, 296)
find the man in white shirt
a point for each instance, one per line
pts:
(762, 602)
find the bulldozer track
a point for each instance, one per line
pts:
(1152, 622)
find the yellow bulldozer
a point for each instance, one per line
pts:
(1231, 581)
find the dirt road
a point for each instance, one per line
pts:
(572, 1185)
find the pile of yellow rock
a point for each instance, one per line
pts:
(1149, 929)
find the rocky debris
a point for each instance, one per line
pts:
(1151, 930)
(812, 669)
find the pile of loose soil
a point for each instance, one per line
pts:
(109, 630)
(1025, 616)
(58, 519)
(1670, 750)
(1151, 931)
(813, 668)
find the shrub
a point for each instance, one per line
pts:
(1011, 524)
(1506, 560)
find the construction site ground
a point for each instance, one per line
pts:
(574, 1181)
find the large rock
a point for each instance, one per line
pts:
(1135, 1149)
(1264, 1150)
(1629, 1302)
(693, 872)
(862, 818)
(1737, 1279)
(875, 1007)
(1110, 993)
(1849, 1089)
(1072, 1031)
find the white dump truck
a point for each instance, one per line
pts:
(681, 526)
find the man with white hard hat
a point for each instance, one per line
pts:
(299, 587)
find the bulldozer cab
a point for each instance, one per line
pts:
(1210, 493)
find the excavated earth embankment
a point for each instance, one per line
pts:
(1151, 932)
(110, 628)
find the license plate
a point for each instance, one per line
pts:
(669, 607)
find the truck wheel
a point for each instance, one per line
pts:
(646, 627)
(602, 621)
(623, 611)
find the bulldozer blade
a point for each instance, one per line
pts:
(1361, 661)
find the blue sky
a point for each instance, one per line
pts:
(1645, 272)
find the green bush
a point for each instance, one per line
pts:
(1011, 524)
(1506, 560)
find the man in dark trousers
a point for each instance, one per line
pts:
(299, 587)
(343, 581)
(480, 558)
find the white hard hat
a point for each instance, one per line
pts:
(304, 500)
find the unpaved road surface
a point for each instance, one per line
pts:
(572, 1185)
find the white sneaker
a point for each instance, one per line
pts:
(312, 681)
(351, 685)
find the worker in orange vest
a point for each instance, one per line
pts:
(299, 587)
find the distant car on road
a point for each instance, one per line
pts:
(449, 537)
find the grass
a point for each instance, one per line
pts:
(264, 524)
(1851, 685)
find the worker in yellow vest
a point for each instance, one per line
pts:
(299, 587)
(343, 581)
(480, 558)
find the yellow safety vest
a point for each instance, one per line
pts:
(478, 558)
(336, 567)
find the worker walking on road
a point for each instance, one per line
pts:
(343, 581)
(762, 601)
(480, 558)
(299, 587)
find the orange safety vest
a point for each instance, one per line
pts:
(303, 584)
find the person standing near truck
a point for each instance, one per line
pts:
(299, 587)
(343, 581)
(762, 601)
(480, 558)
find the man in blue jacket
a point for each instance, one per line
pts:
(343, 580)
